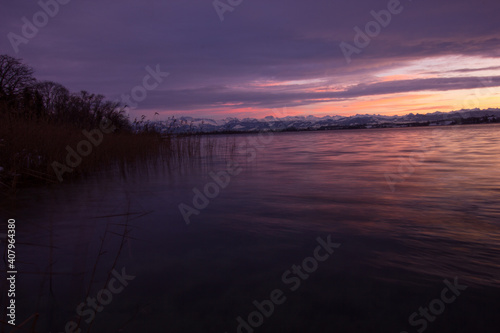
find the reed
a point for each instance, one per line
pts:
(28, 149)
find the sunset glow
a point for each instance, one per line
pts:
(234, 68)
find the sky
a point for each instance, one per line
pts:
(255, 58)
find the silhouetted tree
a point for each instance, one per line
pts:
(30, 106)
(14, 77)
(22, 96)
(55, 98)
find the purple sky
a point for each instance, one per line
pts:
(267, 55)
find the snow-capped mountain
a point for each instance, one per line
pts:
(300, 123)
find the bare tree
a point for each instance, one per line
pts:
(14, 77)
(21, 95)
(55, 97)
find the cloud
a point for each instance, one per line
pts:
(103, 47)
(468, 70)
(223, 96)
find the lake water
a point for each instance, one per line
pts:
(403, 210)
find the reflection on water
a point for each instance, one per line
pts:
(411, 207)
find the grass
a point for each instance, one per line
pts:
(28, 150)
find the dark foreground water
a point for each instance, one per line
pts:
(394, 230)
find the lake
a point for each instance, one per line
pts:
(382, 230)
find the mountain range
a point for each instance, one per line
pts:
(304, 123)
